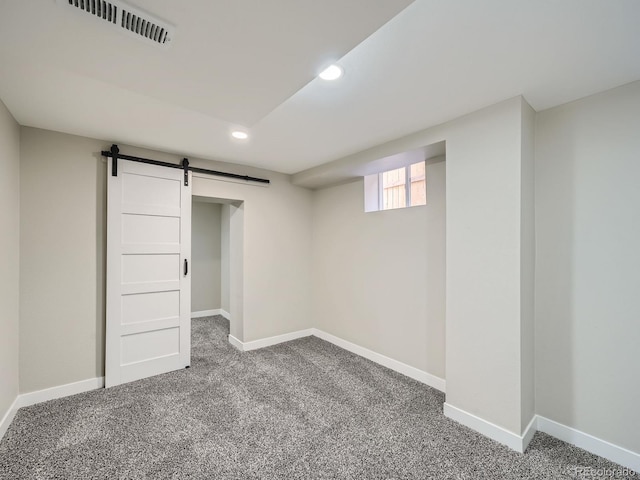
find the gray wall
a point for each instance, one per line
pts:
(205, 256)
(588, 265)
(9, 257)
(62, 233)
(379, 277)
(224, 260)
(271, 231)
(527, 266)
(485, 271)
(62, 228)
(485, 285)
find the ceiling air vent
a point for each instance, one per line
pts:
(126, 18)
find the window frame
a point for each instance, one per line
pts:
(407, 187)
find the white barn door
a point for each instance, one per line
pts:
(148, 277)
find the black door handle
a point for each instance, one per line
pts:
(186, 267)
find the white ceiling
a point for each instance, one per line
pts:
(252, 63)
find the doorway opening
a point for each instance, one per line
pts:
(217, 239)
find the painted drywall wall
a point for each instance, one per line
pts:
(483, 348)
(527, 266)
(237, 255)
(9, 257)
(62, 235)
(588, 265)
(276, 281)
(62, 228)
(224, 257)
(379, 277)
(484, 201)
(205, 256)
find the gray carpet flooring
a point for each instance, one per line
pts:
(303, 409)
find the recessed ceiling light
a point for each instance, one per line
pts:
(240, 135)
(333, 72)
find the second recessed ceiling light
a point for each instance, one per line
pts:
(332, 72)
(240, 135)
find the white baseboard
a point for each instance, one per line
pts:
(488, 429)
(529, 432)
(592, 444)
(39, 396)
(8, 418)
(236, 343)
(206, 313)
(31, 398)
(412, 372)
(597, 446)
(269, 341)
(210, 313)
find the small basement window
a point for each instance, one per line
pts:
(398, 188)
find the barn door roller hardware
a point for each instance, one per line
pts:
(185, 167)
(115, 155)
